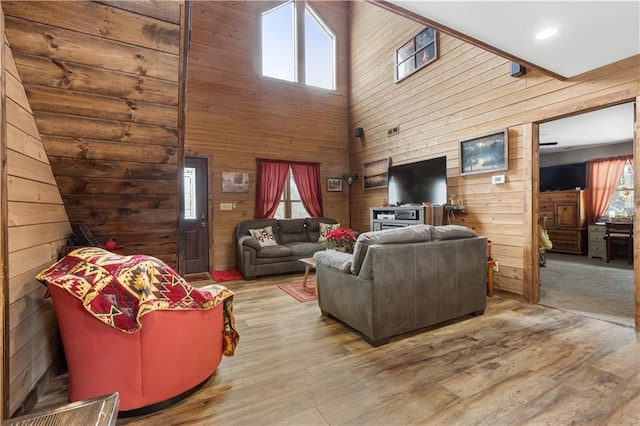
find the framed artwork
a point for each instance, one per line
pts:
(415, 53)
(235, 182)
(485, 153)
(376, 174)
(334, 184)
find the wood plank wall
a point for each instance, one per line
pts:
(466, 92)
(235, 116)
(4, 267)
(102, 79)
(37, 228)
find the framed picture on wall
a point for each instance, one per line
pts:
(237, 182)
(376, 174)
(334, 184)
(484, 153)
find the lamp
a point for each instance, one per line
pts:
(350, 178)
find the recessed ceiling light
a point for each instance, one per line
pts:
(546, 33)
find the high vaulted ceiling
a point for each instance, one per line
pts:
(590, 34)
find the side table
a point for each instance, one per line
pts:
(310, 264)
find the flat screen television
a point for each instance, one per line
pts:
(415, 183)
(563, 177)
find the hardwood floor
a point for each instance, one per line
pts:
(516, 364)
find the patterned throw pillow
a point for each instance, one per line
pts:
(325, 228)
(264, 236)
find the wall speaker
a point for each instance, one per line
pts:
(517, 70)
(359, 132)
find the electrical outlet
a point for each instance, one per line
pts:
(496, 267)
(227, 206)
(393, 131)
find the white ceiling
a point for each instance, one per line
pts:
(588, 130)
(591, 34)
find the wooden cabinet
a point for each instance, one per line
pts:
(567, 219)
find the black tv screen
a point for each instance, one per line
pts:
(563, 177)
(422, 181)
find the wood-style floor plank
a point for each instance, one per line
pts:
(516, 364)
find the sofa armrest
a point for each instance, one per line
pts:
(335, 260)
(249, 241)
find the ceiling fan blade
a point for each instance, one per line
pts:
(547, 143)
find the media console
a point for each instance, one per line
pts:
(398, 217)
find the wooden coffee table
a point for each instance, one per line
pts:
(310, 264)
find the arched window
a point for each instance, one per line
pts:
(298, 46)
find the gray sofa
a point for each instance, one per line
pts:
(296, 238)
(400, 280)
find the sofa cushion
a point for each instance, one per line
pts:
(313, 226)
(409, 234)
(264, 236)
(306, 249)
(291, 230)
(325, 228)
(274, 251)
(451, 232)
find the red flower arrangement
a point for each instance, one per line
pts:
(341, 239)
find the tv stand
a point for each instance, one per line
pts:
(401, 216)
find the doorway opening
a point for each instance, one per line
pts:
(577, 276)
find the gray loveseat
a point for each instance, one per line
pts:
(296, 239)
(400, 280)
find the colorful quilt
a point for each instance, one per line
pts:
(119, 290)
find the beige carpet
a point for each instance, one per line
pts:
(589, 287)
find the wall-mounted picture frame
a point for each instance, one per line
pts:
(334, 184)
(485, 153)
(415, 53)
(376, 174)
(235, 182)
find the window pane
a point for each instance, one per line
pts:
(278, 43)
(298, 210)
(622, 201)
(295, 195)
(280, 212)
(319, 53)
(189, 193)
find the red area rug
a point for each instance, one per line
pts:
(299, 293)
(226, 275)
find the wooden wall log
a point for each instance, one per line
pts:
(67, 75)
(102, 79)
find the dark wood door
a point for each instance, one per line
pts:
(195, 217)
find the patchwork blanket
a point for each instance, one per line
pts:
(119, 290)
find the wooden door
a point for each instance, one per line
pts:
(195, 217)
(566, 215)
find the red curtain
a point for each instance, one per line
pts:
(307, 177)
(269, 186)
(603, 176)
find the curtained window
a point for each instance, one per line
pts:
(288, 189)
(603, 179)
